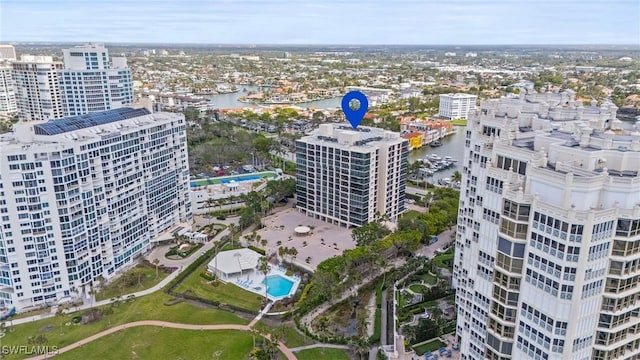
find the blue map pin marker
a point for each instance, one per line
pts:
(355, 116)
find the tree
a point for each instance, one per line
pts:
(210, 202)
(60, 316)
(293, 252)
(359, 345)
(263, 267)
(456, 177)
(367, 234)
(156, 262)
(191, 113)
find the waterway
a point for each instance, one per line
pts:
(452, 145)
(230, 100)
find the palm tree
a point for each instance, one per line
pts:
(359, 345)
(263, 267)
(210, 203)
(156, 262)
(456, 177)
(60, 316)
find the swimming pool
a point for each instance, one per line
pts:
(278, 286)
(241, 178)
(238, 178)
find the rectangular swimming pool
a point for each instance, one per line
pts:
(278, 286)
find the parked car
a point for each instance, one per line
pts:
(221, 217)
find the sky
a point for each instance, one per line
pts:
(393, 22)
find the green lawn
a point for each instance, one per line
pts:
(224, 293)
(292, 337)
(417, 288)
(430, 346)
(459, 122)
(127, 283)
(441, 259)
(150, 307)
(323, 354)
(428, 278)
(31, 313)
(161, 343)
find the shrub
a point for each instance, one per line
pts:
(258, 250)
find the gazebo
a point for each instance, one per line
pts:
(233, 263)
(302, 230)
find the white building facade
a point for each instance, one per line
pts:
(346, 176)
(548, 234)
(7, 92)
(35, 80)
(92, 82)
(81, 197)
(456, 106)
(7, 52)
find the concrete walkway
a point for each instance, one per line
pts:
(85, 306)
(321, 345)
(285, 350)
(180, 264)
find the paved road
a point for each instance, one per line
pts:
(285, 350)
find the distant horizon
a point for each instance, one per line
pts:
(24, 42)
(289, 22)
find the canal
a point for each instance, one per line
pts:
(452, 145)
(230, 100)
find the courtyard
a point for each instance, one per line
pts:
(322, 242)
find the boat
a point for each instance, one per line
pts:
(435, 143)
(434, 157)
(450, 159)
(444, 182)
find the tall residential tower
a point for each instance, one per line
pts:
(548, 237)
(346, 176)
(35, 80)
(92, 82)
(81, 197)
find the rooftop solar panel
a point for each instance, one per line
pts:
(73, 123)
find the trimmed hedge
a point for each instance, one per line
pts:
(258, 250)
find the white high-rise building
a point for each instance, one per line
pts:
(35, 80)
(7, 52)
(548, 234)
(456, 106)
(92, 82)
(7, 91)
(81, 197)
(346, 176)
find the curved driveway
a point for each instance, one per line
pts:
(285, 350)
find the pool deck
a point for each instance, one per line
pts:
(253, 282)
(219, 179)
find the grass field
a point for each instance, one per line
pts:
(292, 337)
(162, 343)
(418, 288)
(459, 122)
(429, 279)
(150, 307)
(323, 354)
(118, 286)
(224, 293)
(430, 346)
